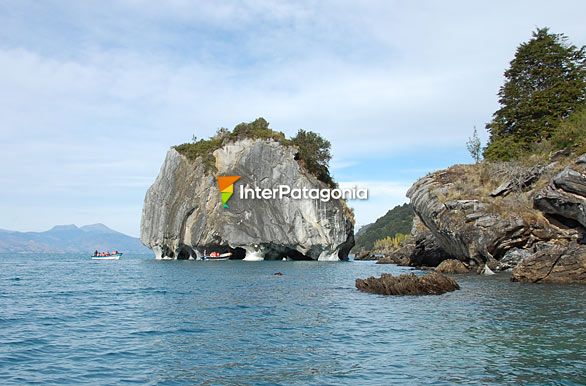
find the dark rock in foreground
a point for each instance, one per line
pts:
(452, 266)
(408, 284)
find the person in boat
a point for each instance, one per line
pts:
(96, 253)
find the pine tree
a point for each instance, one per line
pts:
(545, 83)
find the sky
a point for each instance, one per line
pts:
(94, 93)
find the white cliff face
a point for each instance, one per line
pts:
(183, 215)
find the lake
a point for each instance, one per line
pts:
(65, 319)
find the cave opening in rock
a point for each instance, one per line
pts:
(294, 254)
(280, 252)
(238, 253)
(185, 252)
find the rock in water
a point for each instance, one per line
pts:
(433, 283)
(183, 214)
(560, 263)
(533, 222)
(452, 266)
(486, 271)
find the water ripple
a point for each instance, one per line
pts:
(67, 320)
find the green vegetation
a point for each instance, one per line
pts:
(395, 221)
(390, 242)
(313, 150)
(474, 146)
(314, 153)
(545, 85)
(572, 133)
(202, 148)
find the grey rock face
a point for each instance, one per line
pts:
(183, 215)
(469, 229)
(499, 228)
(512, 258)
(565, 197)
(563, 262)
(420, 250)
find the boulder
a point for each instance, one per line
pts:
(398, 258)
(452, 266)
(433, 283)
(183, 214)
(365, 255)
(561, 263)
(565, 197)
(512, 258)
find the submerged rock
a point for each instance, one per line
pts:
(452, 266)
(183, 215)
(433, 283)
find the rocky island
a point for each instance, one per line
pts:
(183, 216)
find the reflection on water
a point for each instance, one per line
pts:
(66, 319)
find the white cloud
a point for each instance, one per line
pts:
(95, 93)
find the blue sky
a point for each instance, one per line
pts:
(93, 93)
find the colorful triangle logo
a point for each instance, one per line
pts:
(226, 185)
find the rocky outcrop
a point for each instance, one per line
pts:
(505, 216)
(556, 263)
(183, 215)
(565, 197)
(469, 226)
(452, 266)
(421, 249)
(367, 255)
(512, 258)
(408, 284)
(401, 256)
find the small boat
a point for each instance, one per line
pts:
(216, 256)
(114, 256)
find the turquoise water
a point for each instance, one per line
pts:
(65, 319)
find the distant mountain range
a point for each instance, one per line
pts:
(70, 239)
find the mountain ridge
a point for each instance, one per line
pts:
(69, 238)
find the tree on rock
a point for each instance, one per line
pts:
(314, 152)
(545, 83)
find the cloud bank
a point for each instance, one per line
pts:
(92, 94)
